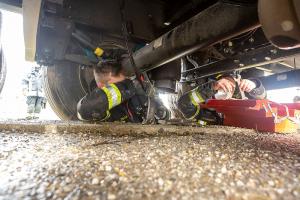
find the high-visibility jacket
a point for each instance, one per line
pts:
(114, 102)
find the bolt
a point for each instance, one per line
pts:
(274, 51)
(287, 26)
(251, 40)
(226, 50)
(268, 58)
(241, 65)
(236, 61)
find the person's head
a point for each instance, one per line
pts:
(296, 99)
(36, 68)
(108, 72)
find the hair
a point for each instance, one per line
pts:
(114, 67)
(297, 99)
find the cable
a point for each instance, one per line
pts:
(126, 38)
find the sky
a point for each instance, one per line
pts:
(13, 102)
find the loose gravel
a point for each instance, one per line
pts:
(211, 163)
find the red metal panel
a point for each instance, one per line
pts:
(256, 114)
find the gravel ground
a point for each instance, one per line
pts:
(157, 163)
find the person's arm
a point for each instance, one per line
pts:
(252, 87)
(259, 92)
(96, 105)
(25, 86)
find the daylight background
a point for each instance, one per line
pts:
(13, 102)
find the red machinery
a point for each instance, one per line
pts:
(262, 115)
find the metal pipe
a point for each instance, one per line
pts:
(183, 69)
(217, 23)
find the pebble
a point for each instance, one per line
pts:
(160, 182)
(111, 197)
(95, 181)
(67, 188)
(86, 162)
(224, 170)
(271, 183)
(218, 180)
(68, 180)
(49, 194)
(108, 168)
(111, 178)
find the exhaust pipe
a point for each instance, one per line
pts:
(213, 25)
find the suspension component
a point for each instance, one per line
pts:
(215, 24)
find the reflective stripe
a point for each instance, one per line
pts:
(109, 99)
(116, 89)
(80, 117)
(106, 117)
(196, 113)
(196, 98)
(201, 100)
(124, 118)
(113, 95)
(202, 123)
(219, 76)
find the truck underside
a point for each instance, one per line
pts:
(177, 43)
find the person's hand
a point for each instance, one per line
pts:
(247, 85)
(226, 84)
(24, 92)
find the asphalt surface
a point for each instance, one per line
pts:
(116, 161)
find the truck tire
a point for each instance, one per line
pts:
(2, 59)
(64, 85)
(2, 70)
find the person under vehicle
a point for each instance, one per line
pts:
(116, 98)
(224, 87)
